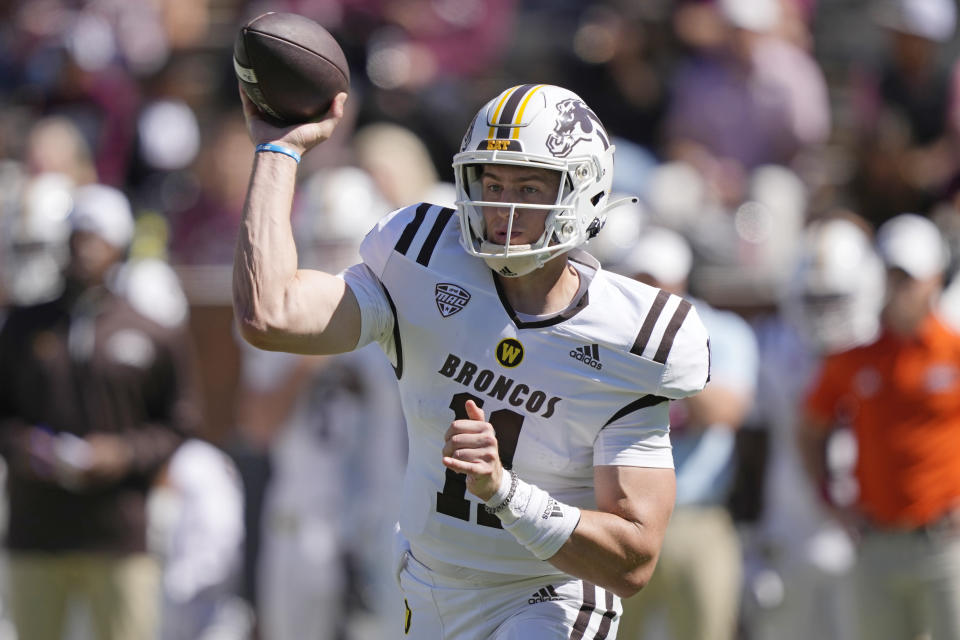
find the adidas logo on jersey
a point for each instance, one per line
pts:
(588, 355)
(547, 594)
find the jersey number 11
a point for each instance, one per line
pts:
(507, 425)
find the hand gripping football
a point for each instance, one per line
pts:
(289, 66)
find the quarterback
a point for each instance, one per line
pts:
(534, 384)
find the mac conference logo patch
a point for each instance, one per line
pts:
(450, 298)
(509, 352)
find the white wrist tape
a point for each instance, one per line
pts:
(537, 521)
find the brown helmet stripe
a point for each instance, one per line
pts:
(523, 107)
(496, 114)
(510, 109)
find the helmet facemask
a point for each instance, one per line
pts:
(836, 291)
(522, 127)
(560, 234)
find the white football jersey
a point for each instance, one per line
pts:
(584, 388)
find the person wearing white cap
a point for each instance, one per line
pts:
(101, 225)
(697, 585)
(798, 560)
(934, 20)
(901, 396)
(94, 398)
(916, 258)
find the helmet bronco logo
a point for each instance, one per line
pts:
(466, 137)
(575, 122)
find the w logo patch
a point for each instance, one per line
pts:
(509, 352)
(450, 298)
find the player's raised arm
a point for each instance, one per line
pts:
(277, 305)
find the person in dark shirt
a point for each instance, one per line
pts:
(94, 398)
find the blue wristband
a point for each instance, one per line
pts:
(268, 146)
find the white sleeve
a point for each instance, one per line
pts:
(639, 439)
(687, 368)
(378, 244)
(376, 313)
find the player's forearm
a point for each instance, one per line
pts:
(615, 547)
(265, 261)
(613, 553)
(278, 306)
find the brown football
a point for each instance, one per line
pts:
(290, 66)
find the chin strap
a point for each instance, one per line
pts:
(509, 266)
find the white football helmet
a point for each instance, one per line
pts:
(34, 238)
(336, 209)
(546, 127)
(837, 289)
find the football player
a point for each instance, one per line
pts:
(535, 385)
(798, 558)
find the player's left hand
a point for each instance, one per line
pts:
(470, 447)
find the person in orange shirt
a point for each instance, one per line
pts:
(901, 395)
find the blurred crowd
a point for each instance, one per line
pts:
(768, 142)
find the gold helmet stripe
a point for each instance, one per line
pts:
(523, 106)
(505, 121)
(496, 114)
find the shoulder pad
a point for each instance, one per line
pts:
(411, 231)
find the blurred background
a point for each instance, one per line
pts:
(738, 123)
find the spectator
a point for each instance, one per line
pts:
(697, 585)
(745, 249)
(196, 526)
(94, 397)
(35, 231)
(947, 218)
(37, 196)
(202, 233)
(902, 394)
(799, 560)
(623, 53)
(195, 506)
(905, 155)
(56, 145)
(755, 99)
(423, 60)
(400, 165)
